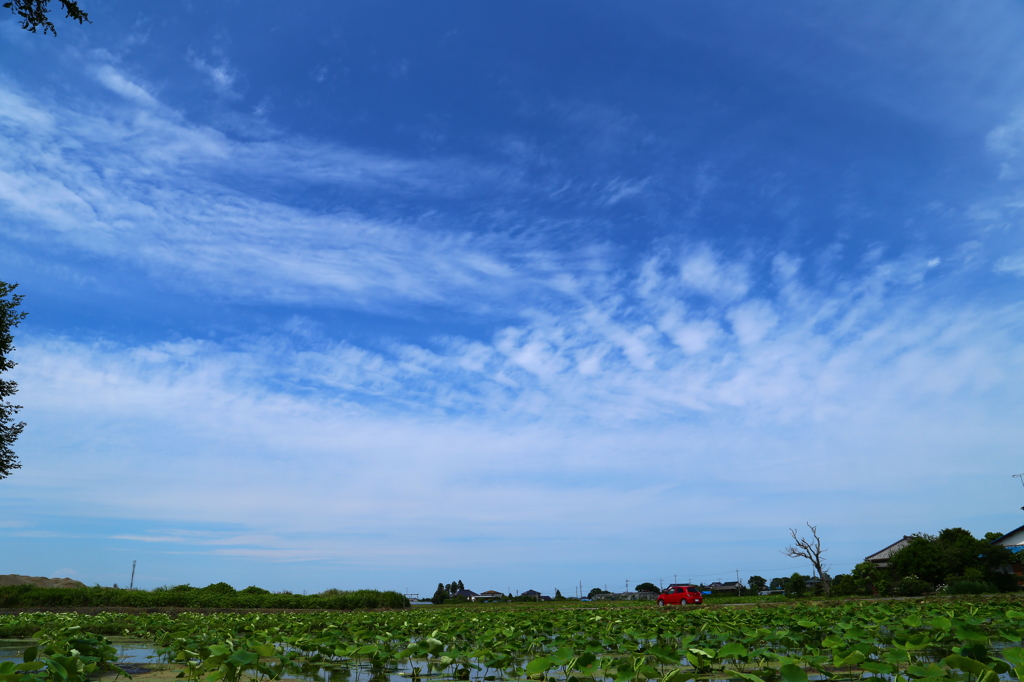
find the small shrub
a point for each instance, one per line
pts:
(252, 589)
(968, 586)
(219, 588)
(844, 585)
(1004, 582)
(911, 586)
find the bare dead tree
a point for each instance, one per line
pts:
(802, 548)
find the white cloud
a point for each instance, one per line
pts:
(703, 271)
(159, 204)
(119, 83)
(214, 438)
(1008, 139)
(17, 110)
(620, 189)
(692, 336)
(751, 320)
(222, 76)
(1010, 265)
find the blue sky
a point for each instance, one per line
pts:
(524, 295)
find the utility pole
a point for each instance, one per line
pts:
(1021, 477)
(675, 577)
(131, 583)
(738, 588)
(627, 586)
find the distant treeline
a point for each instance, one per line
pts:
(216, 596)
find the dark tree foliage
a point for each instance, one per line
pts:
(220, 588)
(843, 585)
(440, 594)
(756, 584)
(797, 585)
(596, 591)
(453, 588)
(869, 579)
(647, 587)
(953, 555)
(10, 317)
(253, 589)
(36, 13)
(921, 557)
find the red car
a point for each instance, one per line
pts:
(681, 594)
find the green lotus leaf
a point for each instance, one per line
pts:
(792, 673)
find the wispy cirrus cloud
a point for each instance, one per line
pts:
(798, 353)
(1011, 265)
(219, 72)
(138, 184)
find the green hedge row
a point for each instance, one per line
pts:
(21, 596)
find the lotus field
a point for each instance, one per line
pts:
(977, 641)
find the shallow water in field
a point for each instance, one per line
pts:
(136, 656)
(134, 651)
(11, 649)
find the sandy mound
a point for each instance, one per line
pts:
(7, 580)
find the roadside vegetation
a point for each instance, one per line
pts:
(216, 596)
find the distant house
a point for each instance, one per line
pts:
(882, 556)
(1013, 541)
(488, 595)
(813, 584)
(531, 593)
(722, 588)
(625, 596)
(468, 594)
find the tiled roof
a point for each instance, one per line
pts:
(1009, 540)
(884, 554)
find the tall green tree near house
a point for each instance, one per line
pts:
(35, 14)
(10, 317)
(797, 585)
(954, 554)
